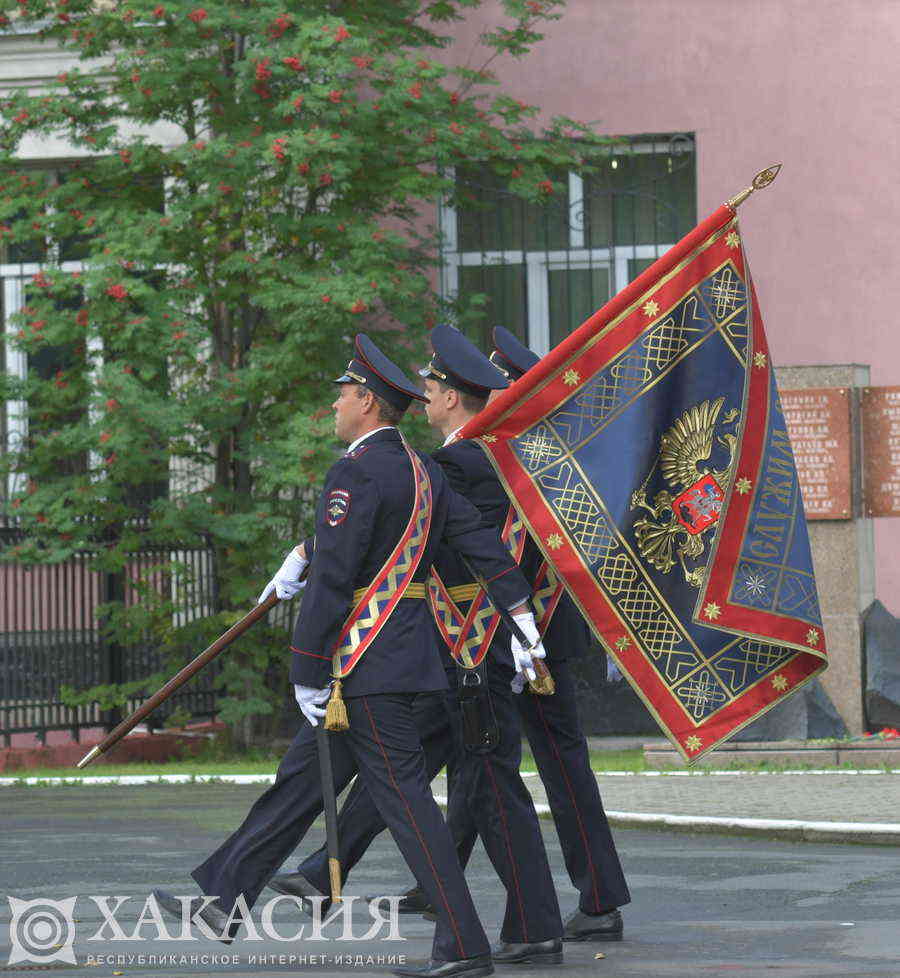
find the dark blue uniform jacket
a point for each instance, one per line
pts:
(351, 546)
(471, 474)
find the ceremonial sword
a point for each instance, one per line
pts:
(543, 685)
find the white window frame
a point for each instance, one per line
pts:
(14, 277)
(538, 263)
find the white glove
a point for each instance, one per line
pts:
(522, 655)
(308, 699)
(286, 582)
(613, 672)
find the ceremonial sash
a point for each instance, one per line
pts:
(468, 635)
(546, 592)
(373, 605)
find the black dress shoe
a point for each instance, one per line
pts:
(470, 967)
(297, 885)
(594, 927)
(413, 901)
(213, 915)
(538, 952)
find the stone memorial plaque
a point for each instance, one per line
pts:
(818, 422)
(881, 450)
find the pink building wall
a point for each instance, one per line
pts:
(814, 84)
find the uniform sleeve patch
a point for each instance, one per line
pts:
(338, 506)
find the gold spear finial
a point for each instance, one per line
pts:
(761, 180)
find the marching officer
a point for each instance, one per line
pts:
(483, 774)
(560, 750)
(558, 744)
(484, 658)
(364, 623)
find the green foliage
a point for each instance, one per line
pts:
(112, 695)
(294, 145)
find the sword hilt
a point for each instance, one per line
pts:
(544, 684)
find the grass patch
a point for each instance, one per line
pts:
(620, 760)
(601, 760)
(237, 766)
(265, 763)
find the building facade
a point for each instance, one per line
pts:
(701, 95)
(708, 93)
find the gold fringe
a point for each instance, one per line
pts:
(336, 711)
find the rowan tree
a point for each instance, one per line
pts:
(252, 188)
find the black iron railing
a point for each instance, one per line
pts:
(51, 636)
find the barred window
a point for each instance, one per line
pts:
(543, 269)
(24, 422)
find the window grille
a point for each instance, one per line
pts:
(544, 268)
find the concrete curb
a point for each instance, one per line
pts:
(795, 830)
(139, 779)
(864, 833)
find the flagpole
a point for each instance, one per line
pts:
(760, 182)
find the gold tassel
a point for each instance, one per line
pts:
(336, 711)
(544, 684)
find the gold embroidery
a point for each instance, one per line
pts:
(727, 293)
(701, 694)
(681, 517)
(539, 447)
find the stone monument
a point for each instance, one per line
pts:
(822, 411)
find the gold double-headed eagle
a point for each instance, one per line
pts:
(683, 447)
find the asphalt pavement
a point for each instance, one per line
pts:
(702, 904)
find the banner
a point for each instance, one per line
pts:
(649, 458)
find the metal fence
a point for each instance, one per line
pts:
(51, 636)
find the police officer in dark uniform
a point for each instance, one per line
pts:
(458, 382)
(557, 741)
(560, 750)
(488, 782)
(364, 511)
(553, 729)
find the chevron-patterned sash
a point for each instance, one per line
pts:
(380, 598)
(468, 635)
(545, 594)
